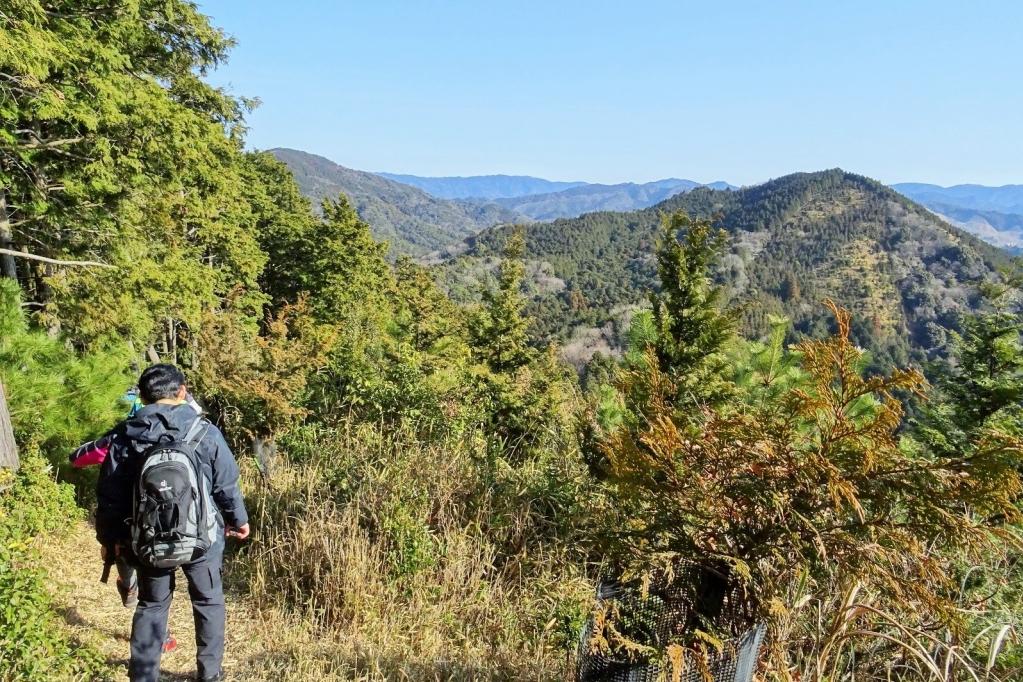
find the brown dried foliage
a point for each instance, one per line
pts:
(816, 489)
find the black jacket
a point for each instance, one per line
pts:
(131, 438)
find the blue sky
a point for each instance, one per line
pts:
(927, 91)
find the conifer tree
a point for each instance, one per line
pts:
(523, 389)
(692, 329)
(980, 389)
(57, 398)
(98, 104)
(500, 330)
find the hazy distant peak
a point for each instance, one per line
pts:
(995, 214)
(1004, 199)
(412, 220)
(481, 186)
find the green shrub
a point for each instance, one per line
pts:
(57, 398)
(33, 646)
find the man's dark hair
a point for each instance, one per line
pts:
(160, 381)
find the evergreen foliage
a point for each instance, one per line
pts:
(981, 388)
(57, 398)
(499, 329)
(692, 330)
(524, 391)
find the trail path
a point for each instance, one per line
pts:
(263, 645)
(95, 614)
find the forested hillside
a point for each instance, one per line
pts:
(411, 220)
(794, 241)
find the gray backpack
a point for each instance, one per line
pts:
(173, 518)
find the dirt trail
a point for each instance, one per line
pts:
(95, 614)
(263, 645)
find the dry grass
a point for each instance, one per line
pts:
(263, 643)
(328, 590)
(405, 570)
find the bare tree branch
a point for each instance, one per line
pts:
(54, 261)
(52, 145)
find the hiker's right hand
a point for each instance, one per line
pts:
(241, 533)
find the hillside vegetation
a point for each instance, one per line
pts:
(412, 221)
(796, 240)
(433, 494)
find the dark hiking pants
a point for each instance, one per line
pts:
(149, 626)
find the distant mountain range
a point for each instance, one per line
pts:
(411, 220)
(540, 199)
(995, 214)
(795, 241)
(482, 186)
(1004, 199)
(420, 215)
(588, 198)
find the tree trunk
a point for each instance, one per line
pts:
(265, 450)
(8, 450)
(8, 267)
(172, 340)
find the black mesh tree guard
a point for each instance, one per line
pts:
(664, 613)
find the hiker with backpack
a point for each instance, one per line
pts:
(94, 453)
(168, 493)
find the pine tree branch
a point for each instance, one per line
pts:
(54, 261)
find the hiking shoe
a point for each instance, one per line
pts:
(169, 644)
(129, 595)
(216, 678)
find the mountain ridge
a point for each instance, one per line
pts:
(994, 214)
(411, 220)
(1003, 199)
(795, 241)
(593, 197)
(497, 186)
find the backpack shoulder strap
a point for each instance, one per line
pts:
(196, 431)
